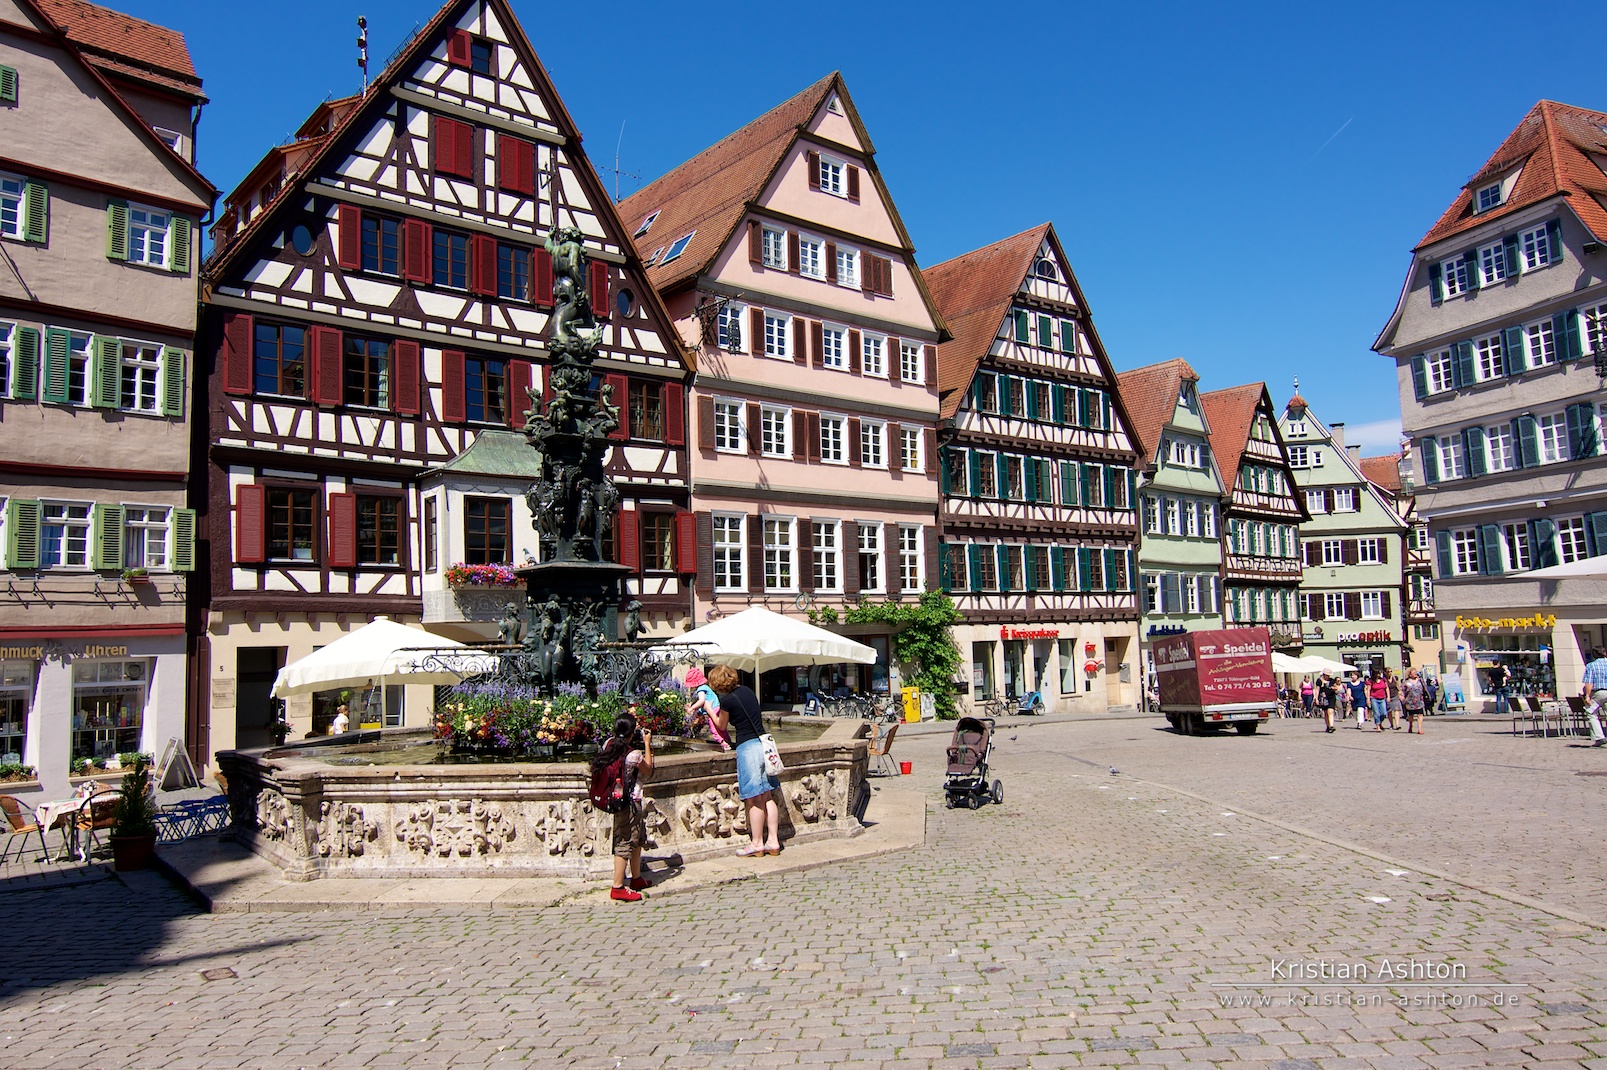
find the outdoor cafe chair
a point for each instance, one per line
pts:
(20, 821)
(881, 743)
(98, 813)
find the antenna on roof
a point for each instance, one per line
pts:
(617, 171)
(362, 48)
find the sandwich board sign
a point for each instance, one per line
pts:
(175, 763)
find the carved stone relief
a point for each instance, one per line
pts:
(342, 830)
(817, 795)
(455, 827)
(715, 813)
(273, 814)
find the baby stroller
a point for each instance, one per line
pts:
(966, 779)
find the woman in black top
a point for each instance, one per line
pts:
(739, 718)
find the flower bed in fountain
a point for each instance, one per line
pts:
(496, 717)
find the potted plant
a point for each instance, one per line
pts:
(134, 821)
(136, 574)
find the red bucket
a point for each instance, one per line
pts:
(905, 768)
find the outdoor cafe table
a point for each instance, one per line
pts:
(51, 814)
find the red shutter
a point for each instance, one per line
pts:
(343, 531)
(457, 48)
(855, 353)
(417, 237)
(628, 524)
(236, 353)
(800, 436)
(755, 242)
(806, 554)
(800, 341)
(756, 331)
(814, 170)
(454, 409)
(831, 261)
(756, 552)
(850, 558)
(621, 387)
(705, 422)
(933, 551)
(408, 371)
(452, 151)
(599, 282)
(516, 164)
(792, 252)
(674, 414)
(853, 183)
(465, 151)
(930, 356)
(685, 542)
(326, 344)
(349, 250)
(250, 523)
(518, 397)
(541, 283)
(817, 336)
(853, 442)
(483, 265)
(929, 448)
(703, 523)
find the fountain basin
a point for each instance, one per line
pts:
(314, 816)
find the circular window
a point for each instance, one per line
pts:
(301, 239)
(625, 301)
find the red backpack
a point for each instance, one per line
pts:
(608, 792)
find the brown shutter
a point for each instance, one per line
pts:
(850, 558)
(250, 523)
(831, 261)
(1316, 607)
(855, 353)
(1348, 552)
(867, 284)
(458, 52)
(893, 355)
(800, 340)
(343, 531)
(853, 183)
(705, 422)
(756, 331)
(674, 414)
(417, 265)
(800, 436)
(755, 242)
(1328, 500)
(483, 265)
(756, 552)
(454, 407)
(236, 353)
(326, 344)
(1383, 551)
(814, 169)
(812, 439)
(753, 426)
(518, 392)
(686, 549)
(806, 554)
(930, 357)
(932, 566)
(1384, 598)
(541, 283)
(407, 372)
(817, 343)
(349, 250)
(1352, 605)
(1311, 554)
(628, 524)
(599, 283)
(929, 448)
(854, 459)
(703, 524)
(792, 253)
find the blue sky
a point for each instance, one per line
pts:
(1236, 185)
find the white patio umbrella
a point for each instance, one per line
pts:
(382, 651)
(1284, 663)
(1585, 566)
(1315, 663)
(758, 639)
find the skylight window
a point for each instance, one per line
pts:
(650, 261)
(677, 247)
(1489, 197)
(646, 224)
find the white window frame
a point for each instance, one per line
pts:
(1208, 519)
(773, 248)
(1489, 358)
(1191, 593)
(1500, 451)
(1453, 465)
(13, 206)
(1454, 278)
(730, 564)
(912, 364)
(1333, 552)
(1492, 263)
(1551, 436)
(8, 338)
(1515, 546)
(1152, 515)
(1540, 344)
(827, 555)
(1465, 552)
(1370, 551)
(1537, 250)
(834, 347)
(1299, 457)
(139, 366)
(912, 445)
(1316, 503)
(911, 562)
(780, 554)
(775, 431)
(80, 362)
(1571, 542)
(1441, 367)
(848, 268)
(777, 336)
(1344, 499)
(1174, 519)
(833, 433)
(811, 257)
(1191, 519)
(873, 544)
(76, 543)
(873, 355)
(150, 236)
(833, 177)
(730, 436)
(1490, 197)
(149, 529)
(872, 443)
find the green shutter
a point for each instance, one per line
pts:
(1057, 403)
(1085, 569)
(56, 345)
(178, 260)
(1082, 408)
(974, 580)
(1068, 483)
(1566, 325)
(1463, 364)
(976, 473)
(183, 556)
(1510, 248)
(1436, 289)
(1104, 410)
(25, 364)
(1596, 533)
(116, 230)
(173, 384)
(1420, 377)
(1442, 543)
(1524, 431)
(1029, 477)
(1542, 543)
(1000, 472)
(1057, 567)
(106, 551)
(1553, 241)
(1110, 568)
(1046, 332)
(1023, 329)
(1068, 337)
(22, 534)
(36, 212)
(1030, 389)
(1473, 450)
(8, 84)
(1002, 562)
(1003, 394)
(1430, 450)
(1087, 483)
(105, 373)
(1029, 567)
(1132, 489)
(1582, 438)
(1512, 350)
(1471, 259)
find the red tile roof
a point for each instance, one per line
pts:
(125, 45)
(1553, 143)
(1383, 471)
(711, 192)
(974, 292)
(1230, 413)
(1150, 395)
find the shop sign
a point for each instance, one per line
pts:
(1166, 629)
(1541, 622)
(1029, 633)
(1364, 637)
(57, 651)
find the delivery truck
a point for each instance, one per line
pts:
(1209, 680)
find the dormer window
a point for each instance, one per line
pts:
(1490, 197)
(1185, 395)
(647, 225)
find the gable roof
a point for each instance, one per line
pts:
(495, 453)
(973, 291)
(1230, 413)
(124, 45)
(1552, 143)
(1383, 471)
(1150, 394)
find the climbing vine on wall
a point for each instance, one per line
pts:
(922, 643)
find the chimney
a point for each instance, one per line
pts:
(1354, 452)
(1337, 428)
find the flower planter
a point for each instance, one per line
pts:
(132, 852)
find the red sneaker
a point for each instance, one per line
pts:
(641, 884)
(625, 895)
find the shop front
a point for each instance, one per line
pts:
(794, 685)
(1076, 667)
(1526, 646)
(72, 703)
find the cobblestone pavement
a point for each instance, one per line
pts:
(1092, 919)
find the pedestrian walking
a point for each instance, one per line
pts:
(1326, 700)
(1394, 699)
(630, 825)
(1378, 698)
(1308, 696)
(1414, 699)
(1358, 698)
(1595, 692)
(1342, 695)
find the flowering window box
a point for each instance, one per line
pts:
(462, 575)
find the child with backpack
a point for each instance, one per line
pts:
(616, 788)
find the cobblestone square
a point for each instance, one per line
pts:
(1151, 916)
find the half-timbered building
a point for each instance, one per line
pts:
(784, 261)
(1261, 557)
(1180, 495)
(1039, 525)
(378, 299)
(1420, 628)
(98, 204)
